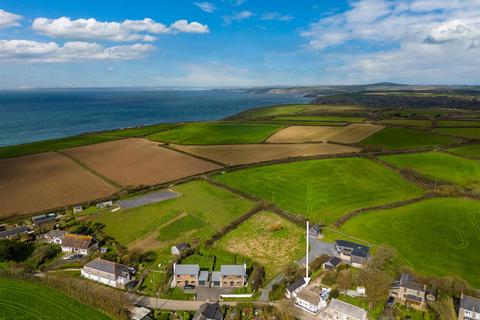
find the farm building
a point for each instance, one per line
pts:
(104, 204)
(469, 308)
(311, 301)
(209, 311)
(177, 250)
(340, 310)
(107, 272)
(77, 209)
(295, 287)
(44, 219)
(185, 274)
(13, 232)
(55, 236)
(409, 292)
(355, 254)
(78, 243)
(331, 263)
(315, 231)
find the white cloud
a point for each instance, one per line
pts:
(8, 19)
(206, 6)
(276, 16)
(128, 30)
(28, 51)
(238, 16)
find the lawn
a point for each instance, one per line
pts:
(469, 133)
(435, 237)
(322, 118)
(403, 138)
(472, 150)
(21, 300)
(441, 166)
(201, 202)
(458, 123)
(268, 240)
(53, 145)
(216, 133)
(139, 131)
(323, 190)
(407, 122)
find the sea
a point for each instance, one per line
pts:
(35, 115)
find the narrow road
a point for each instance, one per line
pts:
(165, 304)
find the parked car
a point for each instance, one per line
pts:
(189, 287)
(390, 301)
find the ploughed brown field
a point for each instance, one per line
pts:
(132, 162)
(352, 133)
(251, 153)
(46, 180)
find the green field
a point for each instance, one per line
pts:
(206, 203)
(216, 133)
(21, 300)
(469, 133)
(321, 118)
(407, 122)
(458, 123)
(273, 111)
(472, 150)
(323, 190)
(441, 166)
(53, 145)
(140, 131)
(268, 240)
(435, 237)
(402, 138)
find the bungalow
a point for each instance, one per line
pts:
(469, 308)
(55, 236)
(311, 301)
(409, 292)
(104, 204)
(177, 250)
(78, 243)
(185, 274)
(355, 254)
(44, 219)
(209, 311)
(295, 287)
(107, 272)
(340, 310)
(13, 232)
(331, 263)
(232, 276)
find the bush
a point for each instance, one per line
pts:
(15, 250)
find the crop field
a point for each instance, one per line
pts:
(458, 123)
(216, 133)
(268, 112)
(133, 162)
(436, 236)
(323, 190)
(440, 166)
(349, 134)
(321, 118)
(266, 239)
(200, 200)
(251, 153)
(46, 180)
(52, 145)
(472, 150)
(469, 133)
(21, 300)
(403, 138)
(407, 122)
(139, 131)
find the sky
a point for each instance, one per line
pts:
(237, 43)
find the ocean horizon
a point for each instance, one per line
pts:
(41, 114)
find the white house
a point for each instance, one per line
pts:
(107, 272)
(55, 236)
(311, 301)
(469, 308)
(294, 288)
(77, 243)
(340, 310)
(77, 209)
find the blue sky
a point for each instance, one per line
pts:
(235, 43)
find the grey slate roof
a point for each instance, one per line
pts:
(408, 281)
(216, 276)
(347, 309)
(309, 296)
(191, 269)
(296, 284)
(355, 247)
(209, 311)
(106, 266)
(182, 246)
(45, 220)
(233, 270)
(13, 231)
(334, 261)
(203, 276)
(470, 303)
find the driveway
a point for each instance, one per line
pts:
(164, 304)
(317, 248)
(211, 294)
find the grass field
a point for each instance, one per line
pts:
(52, 145)
(458, 123)
(407, 122)
(274, 111)
(441, 166)
(436, 236)
(139, 131)
(216, 133)
(205, 202)
(323, 190)
(469, 133)
(21, 300)
(402, 138)
(472, 150)
(321, 118)
(267, 239)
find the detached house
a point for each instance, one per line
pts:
(344, 311)
(469, 308)
(77, 243)
(409, 292)
(107, 272)
(331, 263)
(355, 254)
(209, 311)
(295, 287)
(311, 301)
(185, 274)
(232, 276)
